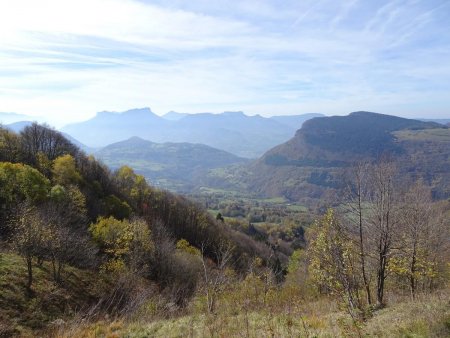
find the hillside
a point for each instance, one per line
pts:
(89, 252)
(311, 165)
(174, 166)
(68, 223)
(235, 132)
(22, 315)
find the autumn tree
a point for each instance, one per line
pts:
(421, 228)
(333, 262)
(132, 185)
(30, 234)
(67, 243)
(19, 183)
(123, 242)
(9, 146)
(65, 171)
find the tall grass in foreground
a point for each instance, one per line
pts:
(427, 316)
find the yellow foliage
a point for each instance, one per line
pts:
(64, 170)
(185, 246)
(114, 236)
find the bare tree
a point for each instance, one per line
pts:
(383, 220)
(41, 138)
(423, 234)
(356, 195)
(29, 236)
(215, 279)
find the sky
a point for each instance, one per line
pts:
(66, 60)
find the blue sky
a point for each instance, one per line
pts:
(66, 60)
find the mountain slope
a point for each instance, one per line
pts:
(312, 163)
(168, 165)
(18, 126)
(441, 121)
(174, 116)
(235, 132)
(108, 127)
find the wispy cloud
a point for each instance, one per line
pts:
(68, 59)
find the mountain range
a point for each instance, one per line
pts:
(311, 165)
(234, 132)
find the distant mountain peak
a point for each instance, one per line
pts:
(134, 140)
(174, 116)
(145, 110)
(235, 132)
(135, 111)
(234, 113)
(363, 112)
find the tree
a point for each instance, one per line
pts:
(67, 243)
(41, 138)
(383, 220)
(356, 194)
(114, 237)
(141, 247)
(332, 262)
(30, 235)
(132, 185)
(19, 183)
(219, 217)
(65, 171)
(9, 146)
(113, 206)
(123, 242)
(421, 226)
(215, 279)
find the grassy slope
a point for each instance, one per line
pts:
(27, 316)
(21, 313)
(429, 317)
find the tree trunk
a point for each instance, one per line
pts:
(58, 273)
(381, 278)
(412, 278)
(30, 271)
(362, 253)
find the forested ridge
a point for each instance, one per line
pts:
(86, 251)
(309, 167)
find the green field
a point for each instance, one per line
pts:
(437, 135)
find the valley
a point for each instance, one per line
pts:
(165, 237)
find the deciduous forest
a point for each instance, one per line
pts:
(90, 252)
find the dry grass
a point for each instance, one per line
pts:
(25, 314)
(245, 310)
(428, 316)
